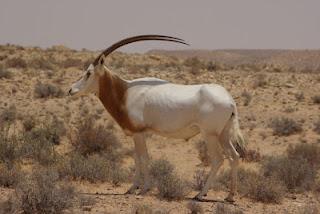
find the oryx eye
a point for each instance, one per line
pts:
(88, 75)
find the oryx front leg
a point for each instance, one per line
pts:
(142, 177)
(216, 160)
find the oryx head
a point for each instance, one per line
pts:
(89, 81)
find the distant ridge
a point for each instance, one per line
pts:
(300, 59)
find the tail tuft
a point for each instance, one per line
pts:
(238, 140)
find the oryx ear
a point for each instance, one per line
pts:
(102, 59)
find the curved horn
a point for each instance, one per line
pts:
(123, 42)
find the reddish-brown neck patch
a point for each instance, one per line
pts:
(112, 93)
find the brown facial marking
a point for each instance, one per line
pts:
(112, 93)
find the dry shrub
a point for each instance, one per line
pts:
(227, 209)
(9, 176)
(9, 151)
(41, 63)
(299, 96)
(308, 152)
(169, 185)
(317, 126)
(40, 193)
(260, 81)
(194, 207)
(8, 115)
(253, 156)
(4, 73)
(200, 177)
(316, 99)
(255, 185)
(296, 174)
(71, 62)
(90, 139)
(285, 126)
(45, 90)
(194, 63)
(202, 152)
(29, 123)
(16, 62)
(247, 97)
(93, 168)
(38, 146)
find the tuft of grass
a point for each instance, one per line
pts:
(247, 97)
(5, 74)
(9, 150)
(8, 115)
(299, 96)
(260, 81)
(285, 126)
(29, 123)
(148, 209)
(46, 90)
(308, 152)
(169, 185)
(316, 99)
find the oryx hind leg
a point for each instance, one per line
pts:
(216, 159)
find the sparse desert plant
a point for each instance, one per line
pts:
(283, 126)
(194, 207)
(4, 73)
(45, 90)
(9, 176)
(297, 174)
(90, 139)
(202, 152)
(148, 209)
(172, 187)
(260, 80)
(29, 123)
(16, 62)
(299, 96)
(71, 62)
(160, 168)
(253, 156)
(306, 151)
(40, 193)
(41, 63)
(169, 185)
(317, 126)
(316, 99)
(194, 63)
(8, 115)
(93, 168)
(227, 209)
(247, 97)
(9, 150)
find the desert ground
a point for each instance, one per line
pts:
(278, 97)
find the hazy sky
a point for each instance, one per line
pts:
(205, 24)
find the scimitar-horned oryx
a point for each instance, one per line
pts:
(172, 110)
